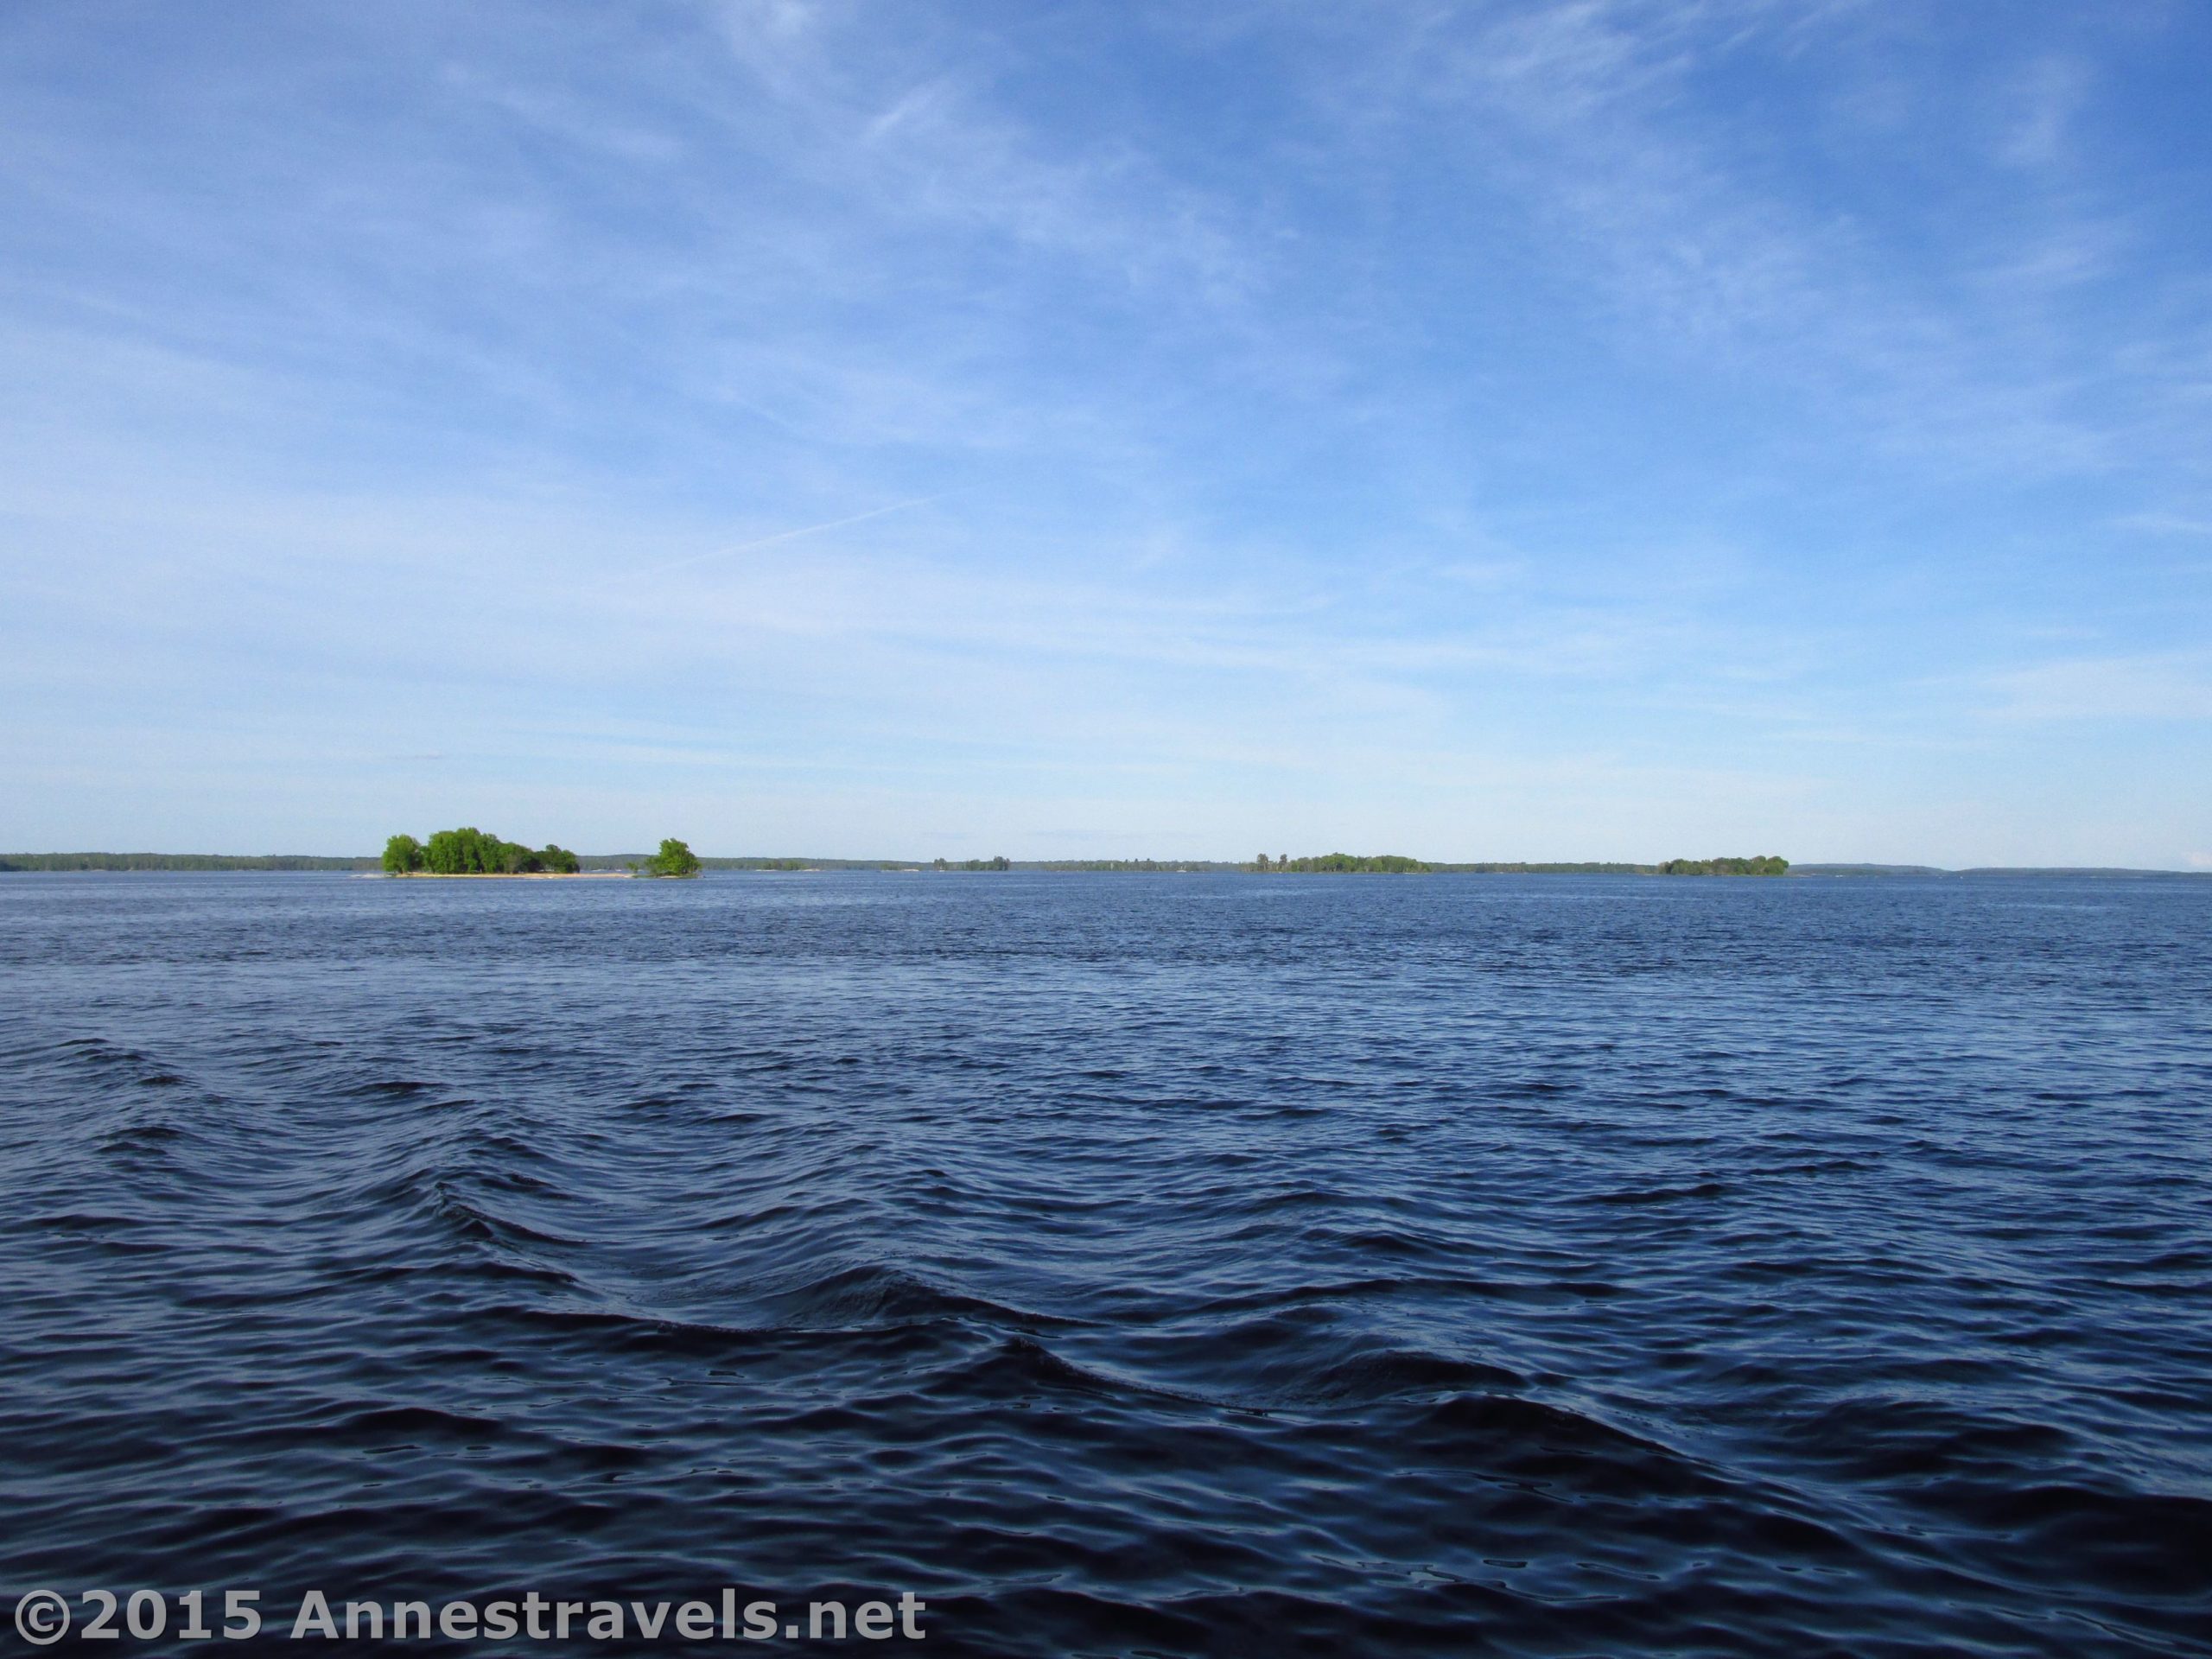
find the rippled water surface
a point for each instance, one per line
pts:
(1123, 1264)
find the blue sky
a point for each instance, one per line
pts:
(1592, 430)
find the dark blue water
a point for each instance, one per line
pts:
(1450, 1265)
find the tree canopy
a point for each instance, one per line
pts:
(674, 859)
(472, 851)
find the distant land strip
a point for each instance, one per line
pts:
(126, 862)
(1326, 864)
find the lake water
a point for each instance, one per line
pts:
(1126, 1264)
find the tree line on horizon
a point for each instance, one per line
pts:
(1341, 864)
(1397, 864)
(196, 862)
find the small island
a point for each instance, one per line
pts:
(472, 852)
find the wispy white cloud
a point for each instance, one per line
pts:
(2166, 524)
(1935, 339)
(2038, 110)
(2162, 686)
(780, 538)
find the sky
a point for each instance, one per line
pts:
(1588, 431)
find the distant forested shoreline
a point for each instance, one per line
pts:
(196, 861)
(1397, 864)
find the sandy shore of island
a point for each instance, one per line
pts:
(505, 876)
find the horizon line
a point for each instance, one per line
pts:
(1061, 865)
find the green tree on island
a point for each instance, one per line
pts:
(674, 859)
(402, 855)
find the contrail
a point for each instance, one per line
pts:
(787, 536)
